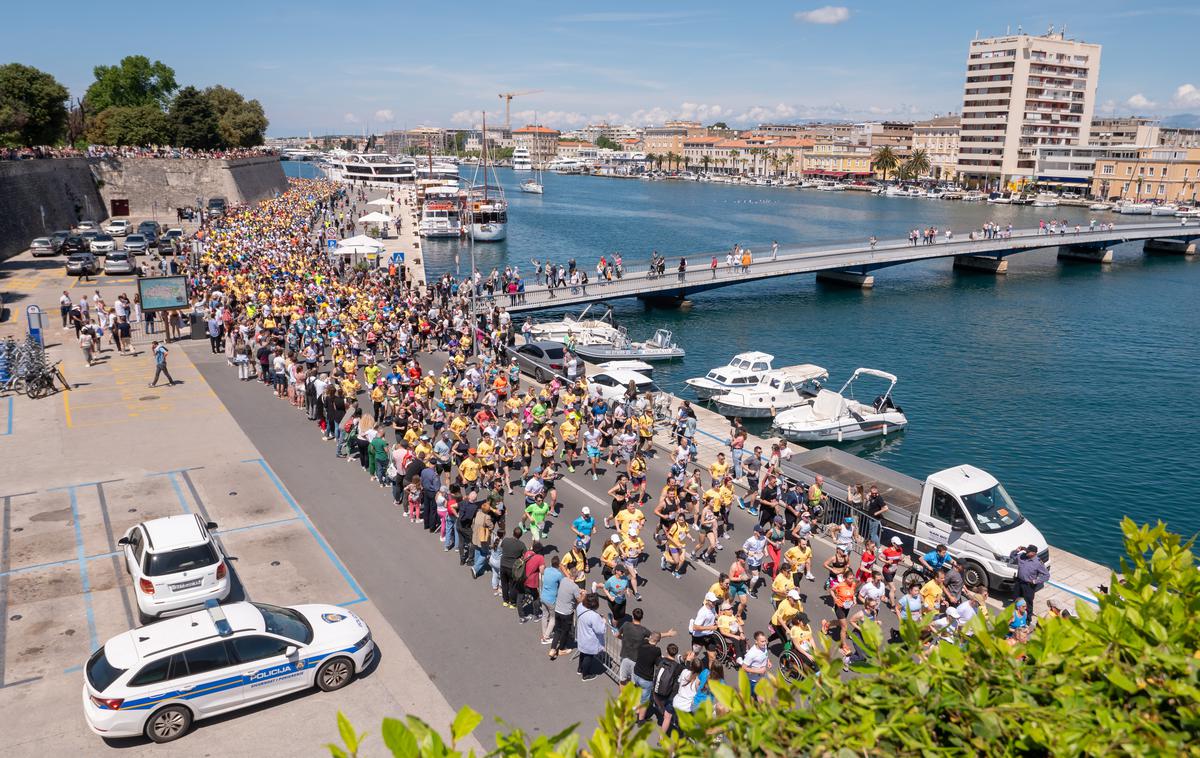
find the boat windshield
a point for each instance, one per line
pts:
(760, 366)
(993, 510)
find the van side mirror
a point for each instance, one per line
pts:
(960, 524)
(123, 541)
(291, 651)
(211, 525)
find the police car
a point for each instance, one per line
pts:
(158, 679)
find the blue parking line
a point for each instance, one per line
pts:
(174, 477)
(311, 529)
(355, 601)
(277, 522)
(83, 572)
(1081, 595)
(9, 423)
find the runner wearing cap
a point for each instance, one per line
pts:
(610, 555)
(892, 555)
(787, 609)
(583, 526)
(704, 624)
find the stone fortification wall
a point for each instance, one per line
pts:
(38, 197)
(175, 183)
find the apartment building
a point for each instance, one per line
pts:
(540, 141)
(938, 137)
(1022, 92)
(1149, 174)
(833, 160)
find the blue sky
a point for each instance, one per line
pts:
(328, 67)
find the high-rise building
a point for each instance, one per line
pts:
(1022, 92)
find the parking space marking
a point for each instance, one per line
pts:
(67, 409)
(4, 558)
(287, 497)
(83, 572)
(9, 426)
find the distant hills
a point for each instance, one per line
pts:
(1183, 121)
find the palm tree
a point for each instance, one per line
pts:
(704, 162)
(774, 164)
(736, 156)
(885, 160)
(651, 158)
(919, 163)
(788, 160)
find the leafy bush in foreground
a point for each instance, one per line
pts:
(1118, 680)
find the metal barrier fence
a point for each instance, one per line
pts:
(612, 653)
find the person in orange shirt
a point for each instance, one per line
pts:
(843, 591)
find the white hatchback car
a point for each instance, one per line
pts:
(118, 227)
(175, 564)
(158, 679)
(611, 385)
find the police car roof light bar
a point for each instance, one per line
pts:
(218, 616)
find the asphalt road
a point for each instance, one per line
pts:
(473, 649)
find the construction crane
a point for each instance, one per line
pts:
(507, 98)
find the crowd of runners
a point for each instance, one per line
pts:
(404, 382)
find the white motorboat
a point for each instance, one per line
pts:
(1099, 207)
(1187, 213)
(1045, 201)
(660, 347)
(828, 186)
(997, 199)
(439, 219)
(834, 417)
(746, 369)
(578, 329)
(520, 159)
(782, 388)
(532, 186)
(1133, 209)
(974, 196)
(1164, 209)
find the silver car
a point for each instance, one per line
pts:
(118, 227)
(119, 262)
(82, 263)
(136, 243)
(541, 360)
(42, 246)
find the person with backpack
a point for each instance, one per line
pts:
(512, 568)
(664, 674)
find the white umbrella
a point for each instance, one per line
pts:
(383, 201)
(375, 217)
(361, 242)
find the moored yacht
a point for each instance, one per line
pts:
(520, 159)
(378, 168)
(745, 369)
(838, 417)
(578, 328)
(781, 389)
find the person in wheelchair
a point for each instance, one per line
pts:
(730, 627)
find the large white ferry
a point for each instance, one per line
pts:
(370, 168)
(520, 160)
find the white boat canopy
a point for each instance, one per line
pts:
(873, 372)
(805, 372)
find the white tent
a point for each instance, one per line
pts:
(362, 243)
(375, 217)
(383, 202)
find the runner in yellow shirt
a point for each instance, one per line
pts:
(632, 516)
(569, 431)
(718, 469)
(799, 556)
(610, 555)
(468, 470)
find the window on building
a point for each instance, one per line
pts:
(1152, 171)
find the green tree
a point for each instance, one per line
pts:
(240, 123)
(139, 125)
(33, 107)
(885, 160)
(607, 143)
(1120, 679)
(132, 82)
(719, 125)
(194, 121)
(918, 163)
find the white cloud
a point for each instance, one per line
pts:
(385, 115)
(1139, 100)
(1186, 96)
(1108, 106)
(762, 114)
(827, 14)
(350, 118)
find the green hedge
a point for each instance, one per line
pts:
(1117, 680)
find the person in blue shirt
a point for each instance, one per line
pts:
(599, 409)
(937, 558)
(551, 578)
(583, 528)
(615, 590)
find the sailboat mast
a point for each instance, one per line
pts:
(485, 158)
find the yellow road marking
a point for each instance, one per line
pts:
(67, 408)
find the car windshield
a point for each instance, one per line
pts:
(554, 352)
(77, 258)
(286, 623)
(183, 559)
(100, 672)
(42, 241)
(993, 510)
(103, 238)
(134, 238)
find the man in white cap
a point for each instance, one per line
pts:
(704, 625)
(891, 556)
(583, 528)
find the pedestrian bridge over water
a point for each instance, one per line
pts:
(853, 265)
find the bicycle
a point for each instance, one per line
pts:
(794, 665)
(42, 384)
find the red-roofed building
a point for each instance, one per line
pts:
(540, 141)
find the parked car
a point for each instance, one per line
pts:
(541, 360)
(171, 241)
(102, 244)
(118, 227)
(87, 226)
(216, 206)
(58, 238)
(158, 679)
(82, 263)
(136, 243)
(42, 246)
(150, 227)
(175, 564)
(611, 385)
(120, 262)
(75, 244)
(90, 235)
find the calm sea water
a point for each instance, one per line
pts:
(1078, 386)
